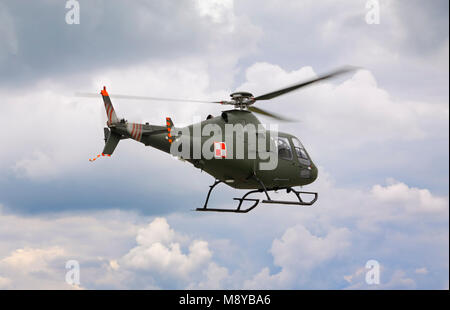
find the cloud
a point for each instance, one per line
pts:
(299, 252)
(8, 37)
(214, 277)
(31, 260)
(218, 11)
(422, 270)
(404, 49)
(354, 120)
(37, 167)
(353, 108)
(115, 34)
(32, 268)
(4, 283)
(156, 251)
(160, 256)
(398, 280)
(414, 200)
(310, 250)
(325, 246)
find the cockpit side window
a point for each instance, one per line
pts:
(300, 151)
(284, 149)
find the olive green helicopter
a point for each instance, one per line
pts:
(234, 147)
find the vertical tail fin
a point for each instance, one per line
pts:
(112, 138)
(110, 113)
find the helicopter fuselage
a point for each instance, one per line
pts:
(276, 159)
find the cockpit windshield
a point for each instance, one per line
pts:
(300, 151)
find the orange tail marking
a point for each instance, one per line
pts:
(104, 92)
(93, 159)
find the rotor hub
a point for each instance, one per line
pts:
(242, 99)
(241, 94)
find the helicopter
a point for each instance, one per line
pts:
(266, 161)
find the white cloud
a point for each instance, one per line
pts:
(4, 283)
(35, 167)
(33, 268)
(412, 200)
(400, 280)
(377, 207)
(34, 250)
(157, 251)
(299, 249)
(298, 252)
(422, 270)
(157, 231)
(396, 279)
(357, 274)
(218, 10)
(50, 136)
(350, 113)
(32, 260)
(215, 277)
(114, 264)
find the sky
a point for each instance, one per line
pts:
(379, 137)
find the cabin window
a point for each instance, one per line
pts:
(284, 149)
(300, 150)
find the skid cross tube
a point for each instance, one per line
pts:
(297, 194)
(257, 201)
(238, 209)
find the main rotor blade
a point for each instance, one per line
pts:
(303, 84)
(92, 95)
(269, 114)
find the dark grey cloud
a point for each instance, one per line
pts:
(426, 23)
(411, 40)
(110, 34)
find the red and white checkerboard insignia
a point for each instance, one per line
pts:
(220, 150)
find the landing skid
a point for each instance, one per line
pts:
(238, 209)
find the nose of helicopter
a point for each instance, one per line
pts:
(314, 172)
